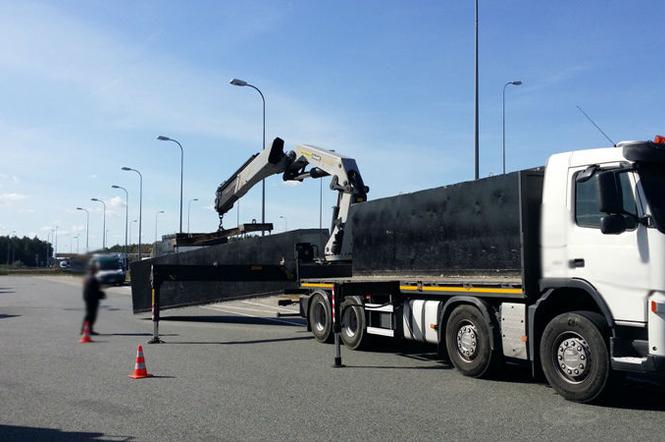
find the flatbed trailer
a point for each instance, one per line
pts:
(404, 283)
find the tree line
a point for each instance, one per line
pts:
(31, 252)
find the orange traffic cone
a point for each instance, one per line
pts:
(140, 371)
(86, 333)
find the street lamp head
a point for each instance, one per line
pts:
(80, 208)
(163, 138)
(195, 199)
(115, 187)
(516, 82)
(94, 199)
(237, 82)
(126, 168)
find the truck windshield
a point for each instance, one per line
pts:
(108, 263)
(653, 183)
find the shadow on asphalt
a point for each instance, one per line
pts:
(2, 316)
(101, 307)
(633, 392)
(636, 393)
(21, 434)
(235, 320)
(257, 341)
(400, 367)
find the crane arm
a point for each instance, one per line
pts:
(345, 179)
(305, 161)
(258, 167)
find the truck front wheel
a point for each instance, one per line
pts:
(574, 355)
(320, 317)
(468, 342)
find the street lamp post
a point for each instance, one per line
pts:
(285, 222)
(140, 202)
(182, 161)
(132, 228)
(87, 225)
(126, 219)
(156, 215)
(189, 209)
(237, 82)
(476, 149)
(104, 222)
(503, 150)
(55, 245)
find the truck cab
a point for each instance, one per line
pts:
(603, 246)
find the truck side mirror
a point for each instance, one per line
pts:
(609, 193)
(612, 224)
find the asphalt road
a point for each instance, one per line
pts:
(235, 372)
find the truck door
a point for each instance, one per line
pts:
(616, 265)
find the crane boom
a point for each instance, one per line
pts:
(305, 161)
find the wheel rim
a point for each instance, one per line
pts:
(320, 317)
(572, 357)
(467, 341)
(350, 322)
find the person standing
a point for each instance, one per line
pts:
(92, 293)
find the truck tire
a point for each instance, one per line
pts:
(354, 333)
(574, 355)
(468, 342)
(320, 317)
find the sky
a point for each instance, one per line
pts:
(87, 86)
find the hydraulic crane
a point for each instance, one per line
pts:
(304, 161)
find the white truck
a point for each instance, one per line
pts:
(562, 267)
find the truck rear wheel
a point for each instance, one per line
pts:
(320, 317)
(354, 333)
(468, 342)
(574, 355)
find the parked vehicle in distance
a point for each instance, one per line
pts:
(65, 264)
(110, 269)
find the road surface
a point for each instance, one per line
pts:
(236, 372)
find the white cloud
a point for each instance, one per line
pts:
(115, 206)
(8, 199)
(6, 178)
